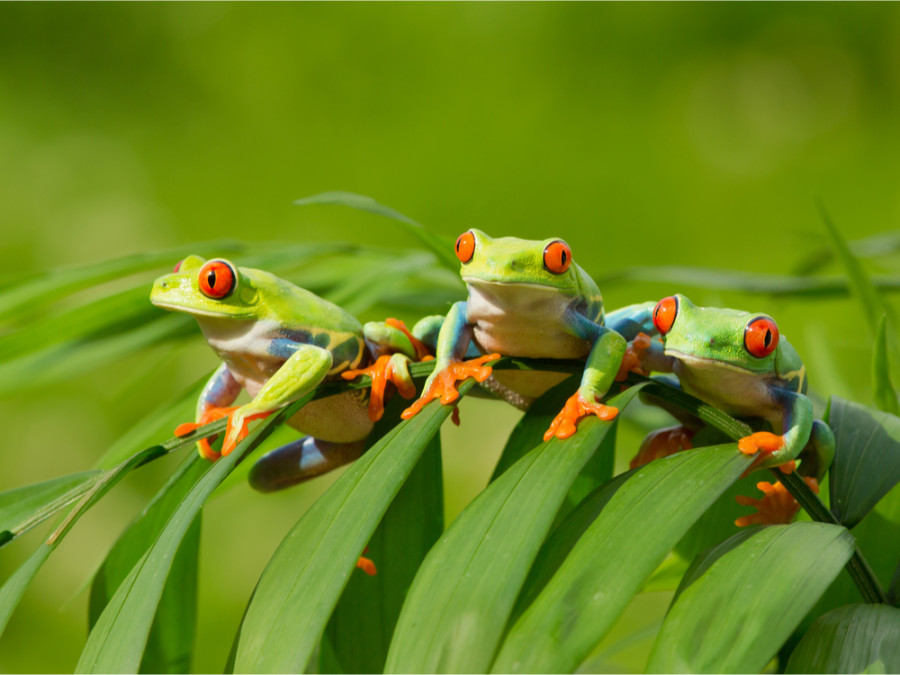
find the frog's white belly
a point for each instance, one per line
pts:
(244, 349)
(734, 390)
(522, 320)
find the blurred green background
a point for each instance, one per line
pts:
(645, 135)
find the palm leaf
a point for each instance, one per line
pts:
(639, 524)
(723, 618)
(301, 584)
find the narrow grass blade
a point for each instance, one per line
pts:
(441, 247)
(171, 638)
(885, 394)
(65, 360)
(738, 604)
(637, 527)
(461, 599)
(862, 287)
(46, 288)
(14, 587)
(851, 639)
(301, 585)
(26, 507)
(119, 637)
(866, 461)
(361, 626)
(748, 282)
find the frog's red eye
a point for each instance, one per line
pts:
(217, 279)
(465, 247)
(557, 257)
(761, 336)
(177, 267)
(664, 314)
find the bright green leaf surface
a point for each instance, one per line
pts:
(851, 639)
(464, 592)
(724, 618)
(635, 530)
(361, 626)
(301, 584)
(14, 587)
(25, 507)
(118, 639)
(867, 458)
(172, 635)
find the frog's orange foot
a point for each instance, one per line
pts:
(761, 441)
(234, 435)
(384, 370)
(632, 361)
(423, 353)
(366, 565)
(566, 421)
(662, 443)
(444, 384)
(776, 506)
(211, 414)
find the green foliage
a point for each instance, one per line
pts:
(535, 572)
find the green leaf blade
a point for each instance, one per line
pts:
(299, 588)
(850, 639)
(441, 247)
(725, 617)
(461, 599)
(603, 571)
(866, 461)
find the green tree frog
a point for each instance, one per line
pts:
(739, 362)
(279, 341)
(529, 299)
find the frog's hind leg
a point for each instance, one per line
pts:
(301, 460)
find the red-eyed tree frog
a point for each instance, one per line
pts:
(529, 299)
(739, 362)
(279, 341)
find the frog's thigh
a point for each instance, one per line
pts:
(339, 419)
(299, 461)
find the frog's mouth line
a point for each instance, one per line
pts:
(547, 288)
(706, 363)
(190, 309)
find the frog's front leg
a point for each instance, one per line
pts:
(297, 376)
(220, 391)
(600, 370)
(782, 449)
(452, 344)
(394, 346)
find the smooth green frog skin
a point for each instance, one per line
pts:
(708, 349)
(278, 342)
(528, 299)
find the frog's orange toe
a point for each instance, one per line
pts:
(776, 506)
(662, 443)
(422, 351)
(233, 436)
(761, 441)
(378, 371)
(566, 421)
(211, 414)
(444, 384)
(632, 361)
(366, 566)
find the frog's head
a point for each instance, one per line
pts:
(543, 264)
(211, 288)
(708, 337)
